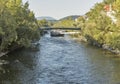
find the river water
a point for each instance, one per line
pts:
(60, 60)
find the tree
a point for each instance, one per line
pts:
(18, 25)
(98, 28)
(43, 23)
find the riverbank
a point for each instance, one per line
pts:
(104, 46)
(95, 43)
(107, 48)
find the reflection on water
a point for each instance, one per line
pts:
(59, 61)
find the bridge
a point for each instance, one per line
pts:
(59, 28)
(57, 31)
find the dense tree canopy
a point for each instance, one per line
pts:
(18, 26)
(99, 28)
(65, 23)
(43, 23)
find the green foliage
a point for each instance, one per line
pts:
(99, 28)
(65, 23)
(43, 23)
(17, 24)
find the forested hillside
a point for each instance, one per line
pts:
(18, 26)
(72, 17)
(69, 22)
(101, 25)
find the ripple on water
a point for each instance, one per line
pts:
(61, 61)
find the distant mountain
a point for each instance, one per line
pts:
(46, 17)
(73, 17)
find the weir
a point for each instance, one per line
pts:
(59, 28)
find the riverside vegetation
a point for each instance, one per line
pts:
(18, 26)
(99, 29)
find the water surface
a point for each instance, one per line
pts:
(60, 61)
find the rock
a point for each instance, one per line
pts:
(3, 53)
(2, 62)
(56, 33)
(107, 47)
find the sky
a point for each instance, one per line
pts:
(60, 8)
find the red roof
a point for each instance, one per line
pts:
(107, 8)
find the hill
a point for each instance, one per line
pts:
(73, 17)
(48, 18)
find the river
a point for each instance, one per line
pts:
(60, 60)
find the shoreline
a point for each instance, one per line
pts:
(104, 46)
